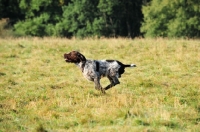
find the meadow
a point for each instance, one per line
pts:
(40, 92)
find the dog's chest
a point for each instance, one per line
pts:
(89, 70)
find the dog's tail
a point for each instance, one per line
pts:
(131, 65)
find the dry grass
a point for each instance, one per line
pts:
(39, 91)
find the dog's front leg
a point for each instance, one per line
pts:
(98, 85)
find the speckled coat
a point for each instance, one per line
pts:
(93, 70)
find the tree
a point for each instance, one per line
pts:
(10, 9)
(83, 18)
(40, 17)
(101, 18)
(131, 18)
(180, 18)
(78, 17)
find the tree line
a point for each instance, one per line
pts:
(108, 18)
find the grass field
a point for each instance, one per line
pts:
(39, 91)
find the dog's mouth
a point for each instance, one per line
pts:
(66, 58)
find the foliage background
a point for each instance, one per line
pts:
(180, 18)
(107, 18)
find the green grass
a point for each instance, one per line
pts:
(39, 91)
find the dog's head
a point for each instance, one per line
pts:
(74, 57)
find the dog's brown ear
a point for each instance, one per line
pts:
(81, 57)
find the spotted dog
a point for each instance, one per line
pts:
(93, 70)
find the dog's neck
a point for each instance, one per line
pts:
(81, 65)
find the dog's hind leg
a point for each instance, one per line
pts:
(113, 81)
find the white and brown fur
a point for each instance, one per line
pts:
(93, 70)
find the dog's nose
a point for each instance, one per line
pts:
(65, 56)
